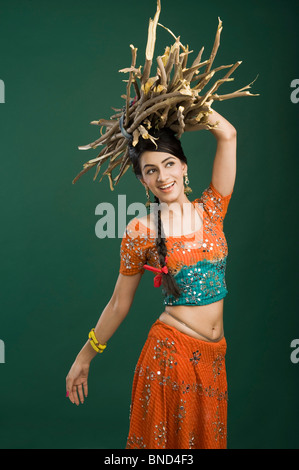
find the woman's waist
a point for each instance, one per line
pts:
(201, 322)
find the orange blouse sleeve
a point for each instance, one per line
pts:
(133, 250)
(214, 204)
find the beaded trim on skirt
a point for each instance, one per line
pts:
(179, 393)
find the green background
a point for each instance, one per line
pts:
(60, 62)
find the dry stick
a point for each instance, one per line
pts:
(187, 104)
(172, 117)
(115, 137)
(121, 161)
(182, 87)
(120, 146)
(114, 147)
(116, 116)
(125, 159)
(98, 142)
(211, 90)
(132, 69)
(194, 66)
(137, 91)
(194, 106)
(215, 46)
(126, 166)
(134, 54)
(177, 71)
(153, 101)
(173, 58)
(111, 138)
(236, 93)
(193, 69)
(152, 109)
(184, 57)
(132, 108)
(233, 68)
(169, 64)
(232, 95)
(248, 86)
(219, 82)
(180, 44)
(165, 56)
(100, 158)
(150, 47)
(104, 122)
(226, 77)
(113, 164)
(82, 173)
(163, 73)
(164, 117)
(97, 170)
(178, 83)
(180, 115)
(203, 75)
(103, 152)
(204, 81)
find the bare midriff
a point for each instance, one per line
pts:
(204, 322)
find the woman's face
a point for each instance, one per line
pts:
(163, 174)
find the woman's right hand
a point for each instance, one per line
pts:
(76, 382)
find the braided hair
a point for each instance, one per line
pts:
(169, 143)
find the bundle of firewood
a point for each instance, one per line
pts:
(172, 98)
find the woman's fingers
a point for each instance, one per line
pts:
(75, 395)
(69, 388)
(76, 392)
(85, 388)
(80, 393)
(76, 384)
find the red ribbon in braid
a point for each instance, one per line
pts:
(158, 277)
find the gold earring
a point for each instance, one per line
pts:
(187, 189)
(148, 202)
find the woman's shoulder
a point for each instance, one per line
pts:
(141, 226)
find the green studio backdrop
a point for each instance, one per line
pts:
(59, 64)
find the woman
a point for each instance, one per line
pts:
(179, 396)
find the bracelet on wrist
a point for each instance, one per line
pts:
(99, 348)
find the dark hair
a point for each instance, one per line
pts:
(169, 143)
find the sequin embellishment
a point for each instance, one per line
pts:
(198, 265)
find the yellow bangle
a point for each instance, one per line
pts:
(94, 347)
(94, 339)
(99, 348)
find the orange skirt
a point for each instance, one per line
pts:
(179, 394)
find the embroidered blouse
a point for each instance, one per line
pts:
(196, 260)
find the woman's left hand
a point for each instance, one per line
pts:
(76, 382)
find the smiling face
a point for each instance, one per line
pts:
(163, 174)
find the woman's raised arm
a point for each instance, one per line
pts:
(112, 316)
(225, 161)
